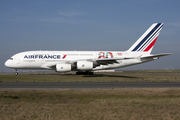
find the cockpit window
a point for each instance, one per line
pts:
(11, 58)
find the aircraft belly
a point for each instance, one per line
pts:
(29, 65)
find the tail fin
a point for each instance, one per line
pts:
(146, 42)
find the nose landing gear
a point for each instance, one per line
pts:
(15, 72)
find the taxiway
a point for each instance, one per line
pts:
(84, 85)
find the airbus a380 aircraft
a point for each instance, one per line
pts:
(85, 62)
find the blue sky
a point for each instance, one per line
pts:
(88, 25)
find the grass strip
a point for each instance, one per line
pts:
(90, 104)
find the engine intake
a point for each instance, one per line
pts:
(84, 65)
(63, 67)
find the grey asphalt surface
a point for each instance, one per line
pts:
(84, 85)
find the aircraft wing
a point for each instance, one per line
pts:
(99, 61)
(106, 61)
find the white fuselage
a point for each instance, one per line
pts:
(45, 59)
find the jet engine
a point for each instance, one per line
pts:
(63, 67)
(84, 65)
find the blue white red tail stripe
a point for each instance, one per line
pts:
(150, 39)
(146, 42)
(151, 45)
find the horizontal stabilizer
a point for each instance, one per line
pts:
(157, 55)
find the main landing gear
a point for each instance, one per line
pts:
(84, 73)
(15, 72)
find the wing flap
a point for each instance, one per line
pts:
(106, 62)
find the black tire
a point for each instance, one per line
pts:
(16, 73)
(91, 73)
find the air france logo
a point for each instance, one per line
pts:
(42, 57)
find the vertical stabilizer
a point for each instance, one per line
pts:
(146, 42)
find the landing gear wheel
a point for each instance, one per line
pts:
(77, 73)
(91, 73)
(16, 73)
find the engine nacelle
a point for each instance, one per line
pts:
(84, 65)
(63, 67)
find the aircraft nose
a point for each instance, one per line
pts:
(8, 63)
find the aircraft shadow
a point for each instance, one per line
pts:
(95, 75)
(102, 75)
